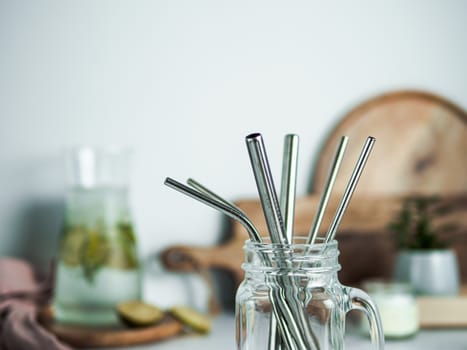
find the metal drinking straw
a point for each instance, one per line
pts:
(289, 183)
(349, 190)
(241, 214)
(295, 331)
(216, 204)
(326, 194)
(287, 205)
(201, 188)
(266, 189)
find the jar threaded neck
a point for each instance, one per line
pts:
(296, 258)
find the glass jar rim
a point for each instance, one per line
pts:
(296, 258)
(300, 243)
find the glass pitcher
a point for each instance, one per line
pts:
(291, 299)
(98, 263)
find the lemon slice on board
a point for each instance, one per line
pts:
(138, 313)
(192, 318)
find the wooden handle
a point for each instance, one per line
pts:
(194, 259)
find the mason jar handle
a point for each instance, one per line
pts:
(359, 300)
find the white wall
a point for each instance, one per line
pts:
(183, 82)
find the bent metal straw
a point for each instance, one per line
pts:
(201, 188)
(227, 210)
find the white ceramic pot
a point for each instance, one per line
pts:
(430, 272)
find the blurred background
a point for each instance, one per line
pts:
(182, 83)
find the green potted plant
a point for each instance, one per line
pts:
(424, 258)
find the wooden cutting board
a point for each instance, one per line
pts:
(105, 337)
(421, 148)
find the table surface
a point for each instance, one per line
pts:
(223, 337)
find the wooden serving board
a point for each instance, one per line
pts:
(118, 336)
(421, 148)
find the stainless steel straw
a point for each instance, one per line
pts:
(289, 183)
(295, 330)
(216, 204)
(349, 190)
(266, 189)
(287, 205)
(201, 188)
(326, 194)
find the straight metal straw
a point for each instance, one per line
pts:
(295, 330)
(349, 190)
(266, 189)
(289, 183)
(216, 204)
(287, 205)
(326, 194)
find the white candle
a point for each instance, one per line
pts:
(397, 307)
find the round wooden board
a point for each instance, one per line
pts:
(87, 337)
(421, 146)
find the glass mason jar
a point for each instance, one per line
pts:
(291, 299)
(98, 263)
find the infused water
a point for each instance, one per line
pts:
(98, 265)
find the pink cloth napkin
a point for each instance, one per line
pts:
(22, 293)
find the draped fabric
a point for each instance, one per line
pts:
(22, 294)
